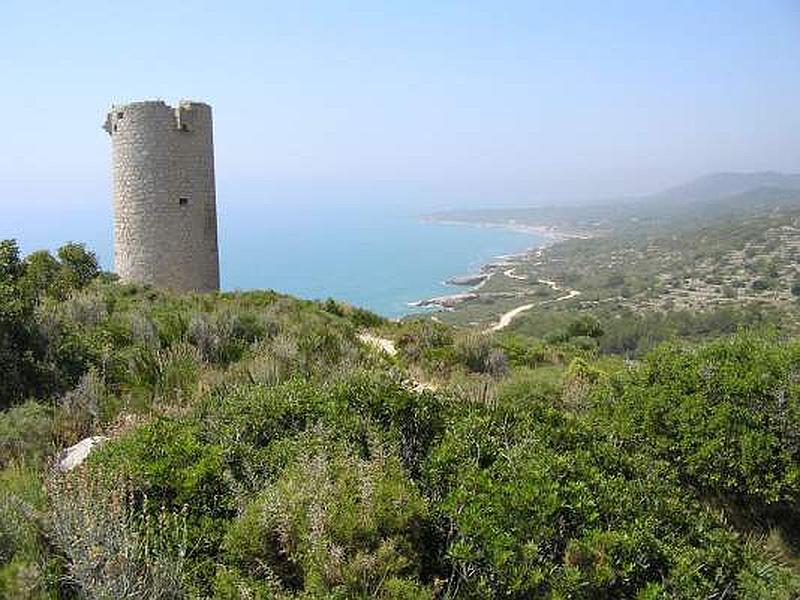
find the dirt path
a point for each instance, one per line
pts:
(551, 284)
(388, 347)
(382, 344)
(511, 275)
(571, 294)
(507, 318)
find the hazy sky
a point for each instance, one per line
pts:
(414, 103)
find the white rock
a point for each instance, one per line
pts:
(75, 455)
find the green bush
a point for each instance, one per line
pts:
(566, 514)
(39, 358)
(81, 410)
(424, 340)
(334, 524)
(477, 352)
(358, 316)
(726, 414)
(26, 431)
(28, 569)
(223, 337)
(169, 461)
(78, 265)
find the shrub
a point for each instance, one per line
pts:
(586, 326)
(760, 285)
(522, 351)
(423, 339)
(143, 331)
(85, 308)
(547, 521)
(223, 337)
(78, 413)
(334, 524)
(21, 346)
(727, 414)
(358, 316)
(27, 568)
(170, 375)
(114, 549)
(66, 349)
(40, 276)
(581, 378)
(168, 462)
(476, 352)
(78, 265)
(26, 431)
(179, 372)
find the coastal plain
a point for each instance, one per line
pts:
(710, 256)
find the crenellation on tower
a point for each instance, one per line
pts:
(165, 220)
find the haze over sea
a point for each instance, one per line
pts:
(378, 255)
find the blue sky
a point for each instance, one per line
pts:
(413, 104)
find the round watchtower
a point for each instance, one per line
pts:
(165, 214)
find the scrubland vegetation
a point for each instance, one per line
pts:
(673, 268)
(258, 449)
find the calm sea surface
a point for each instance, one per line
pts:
(377, 261)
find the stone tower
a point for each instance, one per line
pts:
(165, 214)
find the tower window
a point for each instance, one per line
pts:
(120, 115)
(115, 127)
(183, 201)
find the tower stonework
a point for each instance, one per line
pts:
(165, 214)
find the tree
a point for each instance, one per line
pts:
(78, 265)
(41, 273)
(586, 325)
(33, 364)
(17, 365)
(10, 265)
(761, 285)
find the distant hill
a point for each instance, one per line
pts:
(718, 185)
(707, 198)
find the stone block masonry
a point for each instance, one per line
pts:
(165, 214)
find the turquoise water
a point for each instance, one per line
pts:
(371, 256)
(377, 261)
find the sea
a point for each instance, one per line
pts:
(379, 257)
(379, 260)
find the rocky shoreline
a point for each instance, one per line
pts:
(468, 280)
(503, 263)
(449, 301)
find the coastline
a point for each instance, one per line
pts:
(553, 232)
(501, 263)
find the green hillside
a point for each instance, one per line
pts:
(260, 446)
(690, 271)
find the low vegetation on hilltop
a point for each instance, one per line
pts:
(257, 447)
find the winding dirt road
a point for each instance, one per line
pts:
(507, 318)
